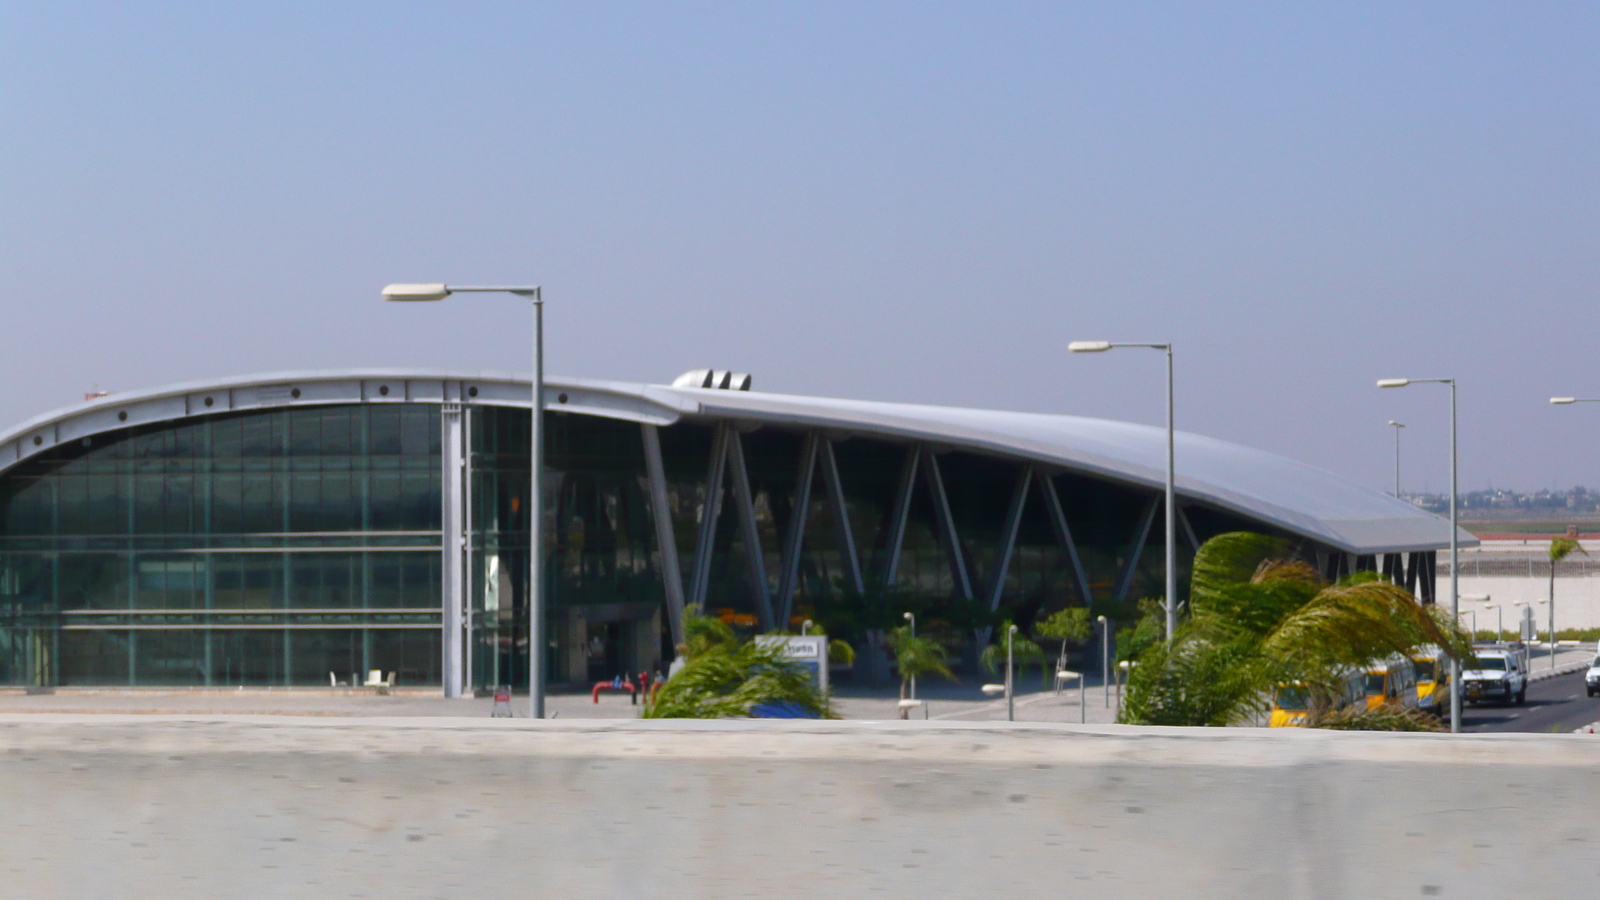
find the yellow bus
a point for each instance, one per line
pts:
(1433, 680)
(1392, 682)
(1291, 702)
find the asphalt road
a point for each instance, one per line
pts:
(1555, 705)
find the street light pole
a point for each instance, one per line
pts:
(1485, 598)
(1455, 585)
(1105, 657)
(1552, 626)
(1171, 600)
(913, 620)
(1011, 696)
(1397, 426)
(435, 292)
(1560, 401)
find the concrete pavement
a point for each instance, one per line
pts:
(264, 807)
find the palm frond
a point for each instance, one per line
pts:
(1346, 625)
(918, 657)
(1024, 652)
(1561, 547)
(1230, 559)
(1198, 681)
(1384, 718)
(1260, 619)
(727, 682)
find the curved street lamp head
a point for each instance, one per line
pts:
(1393, 382)
(1397, 424)
(415, 292)
(1089, 346)
(1563, 401)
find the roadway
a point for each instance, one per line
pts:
(1554, 705)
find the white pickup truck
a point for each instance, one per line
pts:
(1501, 674)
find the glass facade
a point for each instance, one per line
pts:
(303, 546)
(265, 548)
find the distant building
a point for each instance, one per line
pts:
(297, 529)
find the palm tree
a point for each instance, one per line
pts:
(702, 634)
(917, 657)
(1024, 652)
(1261, 618)
(1560, 548)
(730, 680)
(721, 677)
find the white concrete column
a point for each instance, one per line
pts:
(452, 574)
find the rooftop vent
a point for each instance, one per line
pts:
(713, 378)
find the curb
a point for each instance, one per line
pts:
(1558, 671)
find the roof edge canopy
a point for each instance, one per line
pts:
(1292, 496)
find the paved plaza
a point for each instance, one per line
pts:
(962, 702)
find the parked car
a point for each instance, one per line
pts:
(1591, 678)
(1501, 674)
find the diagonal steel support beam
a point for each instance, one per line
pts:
(1058, 521)
(947, 524)
(666, 541)
(900, 515)
(755, 558)
(1008, 536)
(1125, 581)
(710, 511)
(794, 541)
(1188, 530)
(841, 516)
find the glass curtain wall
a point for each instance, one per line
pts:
(603, 589)
(298, 546)
(282, 547)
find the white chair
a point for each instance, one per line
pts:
(378, 683)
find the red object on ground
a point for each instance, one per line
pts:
(599, 686)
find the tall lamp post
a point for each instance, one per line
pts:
(1105, 656)
(434, 292)
(1559, 401)
(1396, 426)
(1455, 594)
(912, 619)
(1484, 599)
(1171, 602)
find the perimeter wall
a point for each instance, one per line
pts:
(143, 806)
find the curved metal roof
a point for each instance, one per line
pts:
(1295, 497)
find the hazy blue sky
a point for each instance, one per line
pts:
(916, 201)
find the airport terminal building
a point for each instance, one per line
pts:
(304, 528)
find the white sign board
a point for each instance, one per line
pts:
(810, 651)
